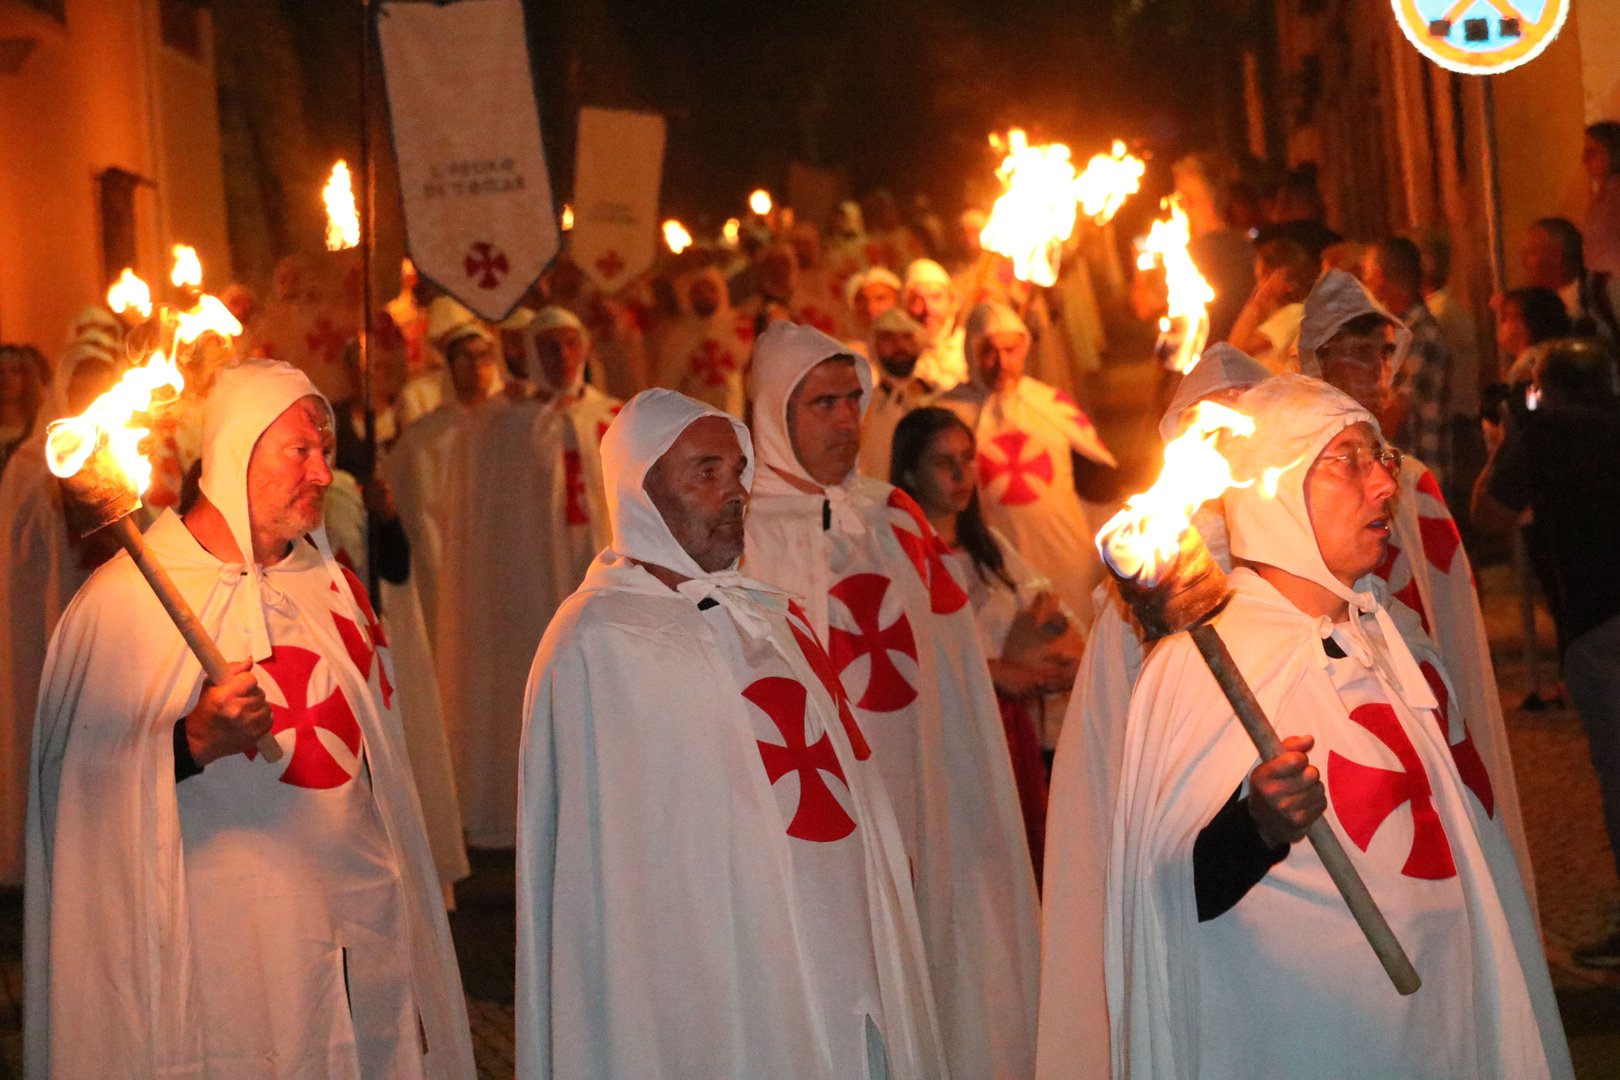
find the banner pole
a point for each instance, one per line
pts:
(368, 234)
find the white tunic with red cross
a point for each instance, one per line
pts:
(292, 881)
(1025, 436)
(1283, 983)
(706, 358)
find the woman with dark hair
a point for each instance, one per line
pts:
(1600, 157)
(1029, 636)
(1525, 318)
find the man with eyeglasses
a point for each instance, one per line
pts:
(1355, 345)
(1230, 951)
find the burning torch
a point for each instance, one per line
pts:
(97, 457)
(1184, 327)
(1172, 583)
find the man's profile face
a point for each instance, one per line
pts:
(698, 488)
(1001, 358)
(1361, 366)
(562, 355)
(897, 351)
(288, 473)
(1349, 503)
(824, 420)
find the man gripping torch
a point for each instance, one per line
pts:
(1230, 951)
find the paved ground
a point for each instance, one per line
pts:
(1575, 876)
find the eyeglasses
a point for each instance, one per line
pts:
(1359, 460)
(1365, 352)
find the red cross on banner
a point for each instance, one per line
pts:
(1364, 796)
(1006, 457)
(865, 635)
(485, 264)
(326, 341)
(820, 817)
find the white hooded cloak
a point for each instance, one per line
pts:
(1025, 436)
(711, 881)
(1283, 984)
(871, 574)
(705, 356)
(258, 920)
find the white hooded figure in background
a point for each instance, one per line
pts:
(1350, 342)
(1085, 776)
(525, 515)
(42, 564)
(711, 882)
(930, 298)
(1027, 432)
(192, 909)
(895, 349)
(1240, 958)
(872, 576)
(703, 351)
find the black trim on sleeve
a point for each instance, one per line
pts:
(1230, 858)
(185, 766)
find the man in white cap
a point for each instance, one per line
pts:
(867, 295)
(1085, 774)
(869, 569)
(1027, 433)
(43, 563)
(1231, 952)
(894, 346)
(529, 480)
(703, 350)
(192, 908)
(930, 299)
(1355, 345)
(710, 879)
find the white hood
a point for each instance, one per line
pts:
(1221, 367)
(987, 320)
(547, 319)
(783, 356)
(1337, 298)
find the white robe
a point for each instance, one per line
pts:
(705, 358)
(114, 951)
(892, 400)
(1026, 478)
(1283, 983)
(903, 638)
(668, 915)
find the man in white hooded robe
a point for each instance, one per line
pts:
(710, 879)
(192, 909)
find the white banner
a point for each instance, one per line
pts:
(479, 220)
(619, 165)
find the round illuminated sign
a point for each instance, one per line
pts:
(1479, 37)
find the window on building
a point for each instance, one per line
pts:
(115, 196)
(56, 9)
(182, 22)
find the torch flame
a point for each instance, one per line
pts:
(210, 316)
(1037, 211)
(676, 236)
(120, 417)
(731, 230)
(760, 202)
(130, 293)
(1108, 181)
(1142, 540)
(1189, 295)
(342, 219)
(567, 217)
(187, 272)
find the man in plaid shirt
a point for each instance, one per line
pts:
(1416, 415)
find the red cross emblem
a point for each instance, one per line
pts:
(603, 425)
(862, 596)
(821, 320)
(574, 482)
(822, 665)
(361, 647)
(713, 363)
(926, 551)
(820, 817)
(326, 736)
(326, 341)
(1365, 795)
(610, 265)
(485, 264)
(1464, 752)
(1440, 537)
(1396, 570)
(1008, 460)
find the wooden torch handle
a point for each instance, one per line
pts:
(1321, 835)
(185, 620)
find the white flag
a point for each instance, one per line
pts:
(479, 220)
(619, 166)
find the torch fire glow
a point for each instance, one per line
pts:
(187, 272)
(1108, 180)
(1172, 583)
(567, 217)
(1036, 211)
(760, 202)
(117, 418)
(1185, 325)
(676, 237)
(731, 231)
(130, 295)
(342, 219)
